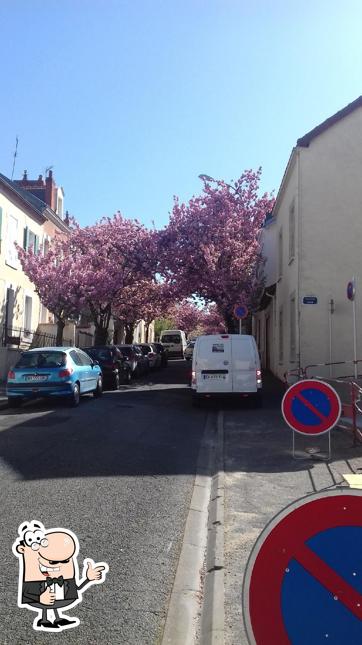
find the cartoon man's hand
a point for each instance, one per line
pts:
(47, 597)
(94, 571)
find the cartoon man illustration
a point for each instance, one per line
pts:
(49, 575)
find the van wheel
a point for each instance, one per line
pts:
(258, 399)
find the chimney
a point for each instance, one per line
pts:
(50, 191)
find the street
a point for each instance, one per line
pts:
(119, 473)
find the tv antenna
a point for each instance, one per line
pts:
(47, 169)
(15, 155)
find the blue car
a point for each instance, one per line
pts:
(53, 371)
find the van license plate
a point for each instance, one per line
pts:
(214, 376)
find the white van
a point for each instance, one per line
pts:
(226, 364)
(175, 342)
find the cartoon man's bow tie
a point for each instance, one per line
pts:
(51, 581)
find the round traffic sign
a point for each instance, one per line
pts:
(240, 311)
(351, 290)
(311, 407)
(303, 580)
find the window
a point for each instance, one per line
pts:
(280, 254)
(27, 314)
(30, 240)
(84, 358)
(12, 237)
(75, 357)
(281, 336)
(42, 359)
(292, 328)
(292, 230)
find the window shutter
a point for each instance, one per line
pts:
(26, 238)
(36, 244)
(1, 221)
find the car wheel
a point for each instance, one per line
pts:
(116, 381)
(99, 389)
(75, 397)
(127, 377)
(14, 402)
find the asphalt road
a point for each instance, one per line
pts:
(118, 472)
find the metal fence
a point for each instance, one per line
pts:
(347, 387)
(26, 339)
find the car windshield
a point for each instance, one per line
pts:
(171, 338)
(41, 359)
(127, 351)
(145, 349)
(100, 354)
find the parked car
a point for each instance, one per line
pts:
(189, 350)
(55, 372)
(143, 364)
(115, 368)
(162, 351)
(153, 357)
(136, 360)
(226, 364)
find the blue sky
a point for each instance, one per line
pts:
(131, 100)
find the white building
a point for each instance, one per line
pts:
(313, 245)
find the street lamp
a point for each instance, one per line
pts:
(217, 181)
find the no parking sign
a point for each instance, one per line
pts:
(311, 407)
(303, 581)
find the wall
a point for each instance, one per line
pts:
(331, 203)
(13, 276)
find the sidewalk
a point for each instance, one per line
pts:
(262, 478)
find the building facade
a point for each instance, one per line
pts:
(312, 243)
(29, 222)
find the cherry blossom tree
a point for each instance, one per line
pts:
(110, 258)
(55, 282)
(211, 247)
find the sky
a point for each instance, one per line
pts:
(130, 101)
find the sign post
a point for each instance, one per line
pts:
(311, 407)
(240, 312)
(302, 582)
(351, 295)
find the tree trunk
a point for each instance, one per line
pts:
(129, 327)
(101, 335)
(230, 323)
(60, 329)
(147, 328)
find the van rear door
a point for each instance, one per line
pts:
(213, 364)
(244, 364)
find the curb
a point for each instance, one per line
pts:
(184, 606)
(212, 618)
